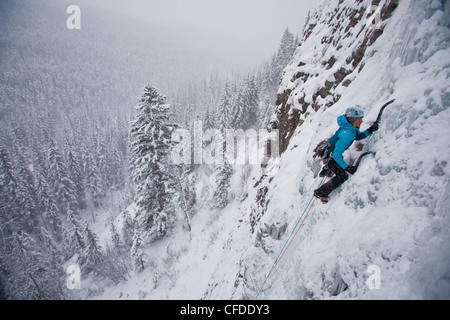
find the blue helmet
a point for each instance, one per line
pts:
(354, 113)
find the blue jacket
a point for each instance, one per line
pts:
(343, 139)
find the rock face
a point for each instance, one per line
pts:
(321, 70)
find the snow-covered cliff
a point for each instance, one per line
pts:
(393, 213)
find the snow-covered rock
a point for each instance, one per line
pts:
(393, 213)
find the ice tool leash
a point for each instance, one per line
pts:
(291, 237)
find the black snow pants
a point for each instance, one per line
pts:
(340, 177)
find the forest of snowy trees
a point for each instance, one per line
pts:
(65, 155)
(241, 101)
(164, 191)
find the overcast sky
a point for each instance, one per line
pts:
(251, 27)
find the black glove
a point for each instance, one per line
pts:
(373, 128)
(351, 169)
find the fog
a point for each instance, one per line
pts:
(245, 31)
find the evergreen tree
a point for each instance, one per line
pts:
(267, 110)
(191, 104)
(191, 194)
(116, 174)
(102, 162)
(115, 262)
(8, 183)
(39, 159)
(92, 256)
(31, 271)
(285, 52)
(239, 113)
(127, 231)
(75, 172)
(49, 208)
(137, 256)
(251, 103)
(26, 198)
(223, 177)
(60, 178)
(73, 236)
(208, 119)
(8, 186)
(225, 112)
(186, 196)
(245, 105)
(94, 187)
(115, 238)
(93, 184)
(51, 247)
(273, 72)
(150, 164)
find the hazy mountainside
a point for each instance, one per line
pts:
(103, 65)
(81, 85)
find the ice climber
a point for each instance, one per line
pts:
(348, 131)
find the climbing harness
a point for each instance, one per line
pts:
(322, 152)
(289, 240)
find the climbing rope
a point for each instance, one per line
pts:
(289, 240)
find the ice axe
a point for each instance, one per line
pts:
(382, 109)
(378, 122)
(362, 156)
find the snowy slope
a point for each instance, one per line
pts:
(393, 213)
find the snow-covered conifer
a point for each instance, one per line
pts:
(32, 270)
(223, 177)
(137, 255)
(49, 208)
(225, 113)
(60, 178)
(150, 163)
(92, 255)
